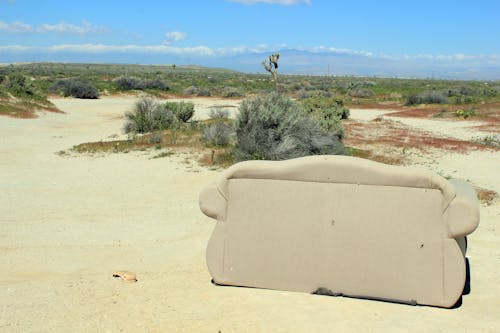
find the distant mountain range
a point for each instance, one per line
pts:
(338, 63)
(294, 61)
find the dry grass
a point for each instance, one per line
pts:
(15, 111)
(164, 139)
(120, 146)
(169, 139)
(25, 109)
(217, 157)
(377, 157)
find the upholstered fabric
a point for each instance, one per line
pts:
(342, 225)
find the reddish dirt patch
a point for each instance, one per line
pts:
(417, 113)
(30, 114)
(493, 127)
(382, 106)
(488, 112)
(23, 115)
(489, 109)
(486, 196)
(395, 134)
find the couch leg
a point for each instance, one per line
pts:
(466, 290)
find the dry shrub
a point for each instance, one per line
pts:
(273, 127)
(149, 116)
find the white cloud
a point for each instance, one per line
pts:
(16, 48)
(15, 27)
(175, 36)
(20, 27)
(85, 28)
(105, 48)
(205, 51)
(329, 49)
(199, 50)
(458, 57)
(273, 2)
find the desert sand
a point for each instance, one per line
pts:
(69, 221)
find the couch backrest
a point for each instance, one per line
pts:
(371, 240)
(338, 169)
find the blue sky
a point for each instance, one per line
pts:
(442, 33)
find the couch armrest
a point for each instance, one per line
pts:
(212, 203)
(462, 215)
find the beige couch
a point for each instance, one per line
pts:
(342, 226)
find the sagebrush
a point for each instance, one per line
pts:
(328, 111)
(134, 83)
(149, 116)
(196, 91)
(273, 127)
(75, 87)
(219, 131)
(184, 111)
(427, 97)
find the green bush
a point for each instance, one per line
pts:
(465, 113)
(216, 134)
(184, 111)
(155, 84)
(303, 93)
(427, 97)
(134, 83)
(274, 127)
(328, 111)
(231, 93)
(192, 90)
(218, 113)
(76, 88)
(219, 132)
(361, 93)
(462, 99)
(18, 85)
(128, 83)
(149, 116)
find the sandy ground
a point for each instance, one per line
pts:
(68, 222)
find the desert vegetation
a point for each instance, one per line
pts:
(74, 87)
(273, 127)
(149, 115)
(135, 83)
(198, 81)
(219, 130)
(269, 126)
(427, 97)
(316, 106)
(196, 91)
(19, 97)
(328, 111)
